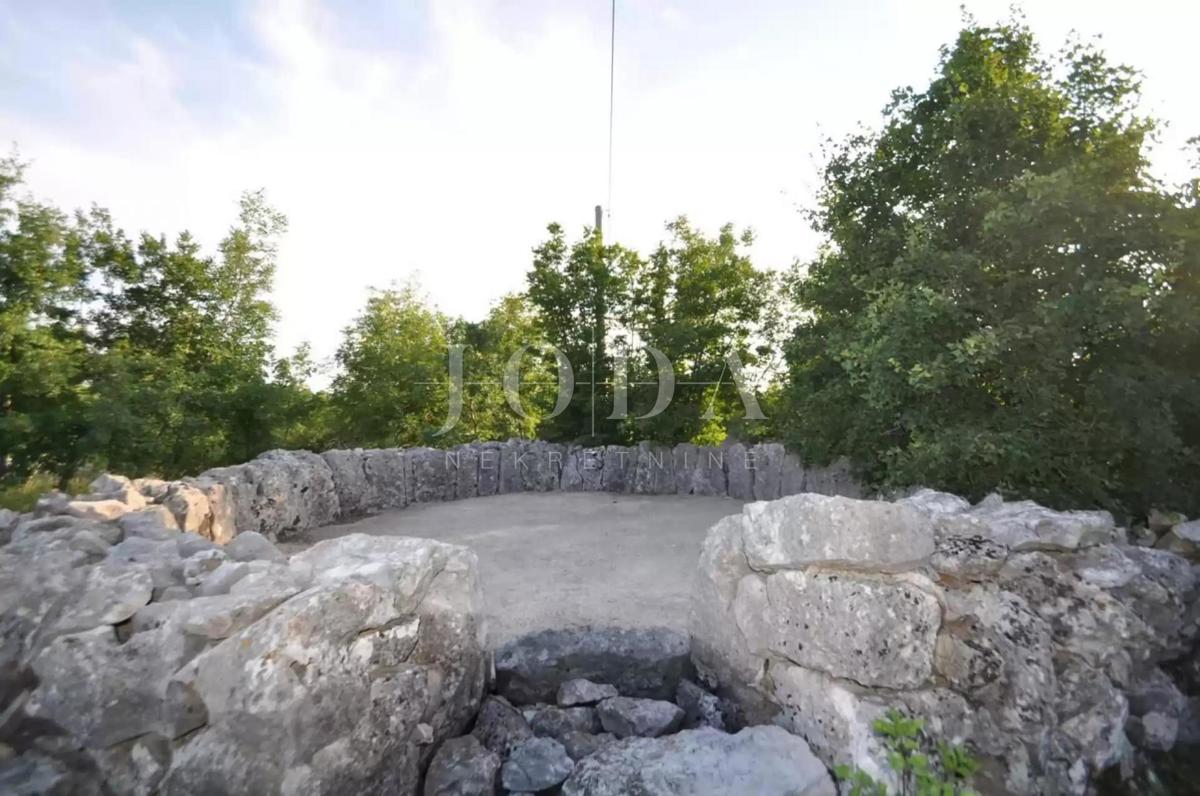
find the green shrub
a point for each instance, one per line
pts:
(945, 772)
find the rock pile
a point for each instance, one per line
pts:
(592, 741)
(136, 658)
(1041, 639)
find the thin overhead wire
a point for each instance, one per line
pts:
(612, 59)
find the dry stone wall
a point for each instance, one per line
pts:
(1041, 639)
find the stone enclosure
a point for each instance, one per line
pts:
(153, 639)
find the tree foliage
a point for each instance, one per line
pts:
(1008, 298)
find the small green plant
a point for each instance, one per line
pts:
(947, 772)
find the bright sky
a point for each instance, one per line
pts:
(438, 138)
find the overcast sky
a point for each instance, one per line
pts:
(438, 138)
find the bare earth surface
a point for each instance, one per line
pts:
(560, 560)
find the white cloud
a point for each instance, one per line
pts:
(449, 158)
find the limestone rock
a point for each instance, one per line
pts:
(699, 470)
(539, 465)
(648, 718)
(101, 510)
(654, 470)
(871, 629)
(152, 522)
(253, 546)
(700, 708)
(554, 722)
(766, 761)
(463, 462)
(1156, 732)
(489, 468)
(1183, 539)
(768, 458)
(462, 767)
(278, 493)
(355, 493)
(808, 529)
(387, 482)
(583, 469)
(641, 662)
(536, 764)
(619, 468)
(428, 475)
(386, 640)
(968, 558)
(936, 504)
(580, 691)
(739, 471)
(583, 744)
(190, 507)
(500, 727)
(1024, 525)
(112, 594)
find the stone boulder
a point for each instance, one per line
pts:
(1029, 634)
(646, 662)
(462, 767)
(580, 691)
(766, 761)
(583, 469)
(648, 718)
(368, 651)
(535, 765)
(277, 494)
(699, 470)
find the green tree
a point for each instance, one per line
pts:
(392, 388)
(44, 356)
(1008, 298)
(697, 299)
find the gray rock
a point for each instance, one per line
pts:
(582, 744)
(387, 480)
(277, 494)
(1156, 732)
(936, 504)
(768, 460)
(581, 691)
(872, 629)
(428, 475)
(639, 662)
(699, 470)
(511, 467)
(462, 767)
(539, 465)
(654, 470)
(1183, 539)
(583, 469)
(808, 529)
(190, 507)
(766, 761)
(648, 718)
(555, 722)
(1152, 691)
(112, 594)
(152, 522)
(108, 484)
(222, 579)
(1024, 525)
(739, 471)
(386, 640)
(354, 491)
(536, 764)
(700, 708)
(253, 546)
(968, 558)
(619, 468)
(100, 510)
(500, 726)
(464, 471)
(489, 468)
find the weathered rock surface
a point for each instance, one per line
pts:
(1032, 635)
(279, 493)
(809, 529)
(536, 764)
(501, 727)
(643, 662)
(462, 767)
(765, 761)
(648, 718)
(367, 649)
(580, 691)
(554, 722)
